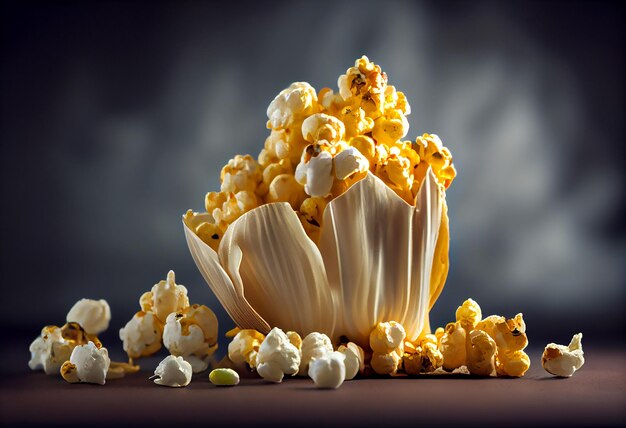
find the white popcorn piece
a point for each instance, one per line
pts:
(87, 364)
(329, 370)
(49, 351)
(292, 103)
(315, 172)
(314, 345)
(354, 359)
(277, 356)
(348, 162)
(192, 333)
(564, 361)
(93, 315)
(173, 372)
(141, 336)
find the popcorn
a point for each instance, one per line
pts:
(481, 354)
(322, 127)
(314, 345)
(470, 341)
(290, 105)
(165, 297)
(354, 359)
(328, 370)
(141, 336)
(315, 171)
(564, 361)
(173, 372)
(191, 332)
(242, 173)
(245, 347)
(452, 347)
(387, 343)
(277, 357)
(349, 162)
(224, 377)
(92, 315)
(322, 143)
(87, 364)
(50, 350)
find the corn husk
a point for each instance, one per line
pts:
(379, 259)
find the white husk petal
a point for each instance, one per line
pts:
(373, 264)
(268, 251)
(378, 253)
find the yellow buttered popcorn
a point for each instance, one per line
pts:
(302, 156)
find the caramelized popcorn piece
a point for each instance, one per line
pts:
(173, 371)
(87, 364)
(469, 314)
(453, 347)
(245, 346)
(92, 315)
(277, 357)
(242, 173)
(387, 343)
(564, 361)
(192, 332)
(314, 345)
(481, 354)
(141, 336)
(165, 297)
(328, 370)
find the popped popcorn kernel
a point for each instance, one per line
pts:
(469, 314)
(328, 370)
(165, 297)
(50, 350)
(141, 336)
(564, 361)
(87, 364)
(245, 346)
(387, 343)
(314, 345)
(173, 371)
(93, 315)
(191, 332)
(277, 357)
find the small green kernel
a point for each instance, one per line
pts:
(224, 377)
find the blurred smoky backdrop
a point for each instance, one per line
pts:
(116, 117)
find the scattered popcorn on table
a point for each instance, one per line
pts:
(173, 372)
(329, 370)
(92, 315)
(486, 346)
(277, 357)
(564, 361)
(224, 377)
(87, 364)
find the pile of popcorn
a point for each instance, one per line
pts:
(74, 350)
(485, 347)
(321, 143)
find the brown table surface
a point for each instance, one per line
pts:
(595, 396)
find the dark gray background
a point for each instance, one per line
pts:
(117, 117)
